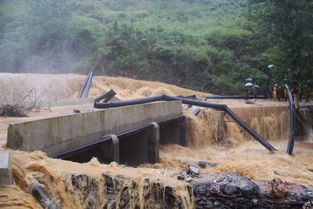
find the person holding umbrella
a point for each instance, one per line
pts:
(255, 90)
(248, 86)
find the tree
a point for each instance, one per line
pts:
(286, 28)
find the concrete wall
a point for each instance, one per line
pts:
(58, 134)
(6, 175)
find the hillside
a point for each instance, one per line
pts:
(203, 45)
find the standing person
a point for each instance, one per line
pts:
(285, 94)
(278, 93)
(306, 94)
(275, 91)
(248, 90)
(300, 94)
(255, 89)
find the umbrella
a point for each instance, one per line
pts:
(248, 84)
(255, 86)
(249, 80)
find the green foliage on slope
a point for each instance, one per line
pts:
(287, 29)
(200, 44)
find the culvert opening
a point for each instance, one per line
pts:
(133, 147)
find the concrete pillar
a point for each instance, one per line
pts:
(154, 143)
(6, 177)
(115, 148)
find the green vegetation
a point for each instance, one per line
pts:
(287, 29)
(206, 45)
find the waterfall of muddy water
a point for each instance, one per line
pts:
(238, 152)
(91, 185)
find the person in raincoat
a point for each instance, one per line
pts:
(275, 91)
(248, 87)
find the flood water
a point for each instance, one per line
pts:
(236, 152)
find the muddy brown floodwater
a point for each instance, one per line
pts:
(237, 152)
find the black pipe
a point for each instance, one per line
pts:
(79, 149)
(128, 102)
(106, 96)
(189, 97)
(91, 145)
(191, 102)
(88, 84)
(236, 97)
(81, 90)
(293, 126)
(42, 197)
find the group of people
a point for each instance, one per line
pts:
(279, 92)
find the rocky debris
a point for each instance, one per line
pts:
(281, 194)
(308, 205)
(76, 111)
(276, 172)
(193, 170)
(250, 102)
(225, 191)
(280, 188)
(195, 110)
(203, 164)
(228, 190)
(189, 173)
(204, 191)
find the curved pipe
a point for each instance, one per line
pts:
(235, 97)
(128, 102)
(293, 127)
(81, 90)
(42, 197)
(106, 96)
(191, 102)
(87, 87)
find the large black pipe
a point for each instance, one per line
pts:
(88, 84)
(191, 102)
(106, 96)
(42, 197)
(128, 102)
(236, 97)
(81, 90)
(293, 127)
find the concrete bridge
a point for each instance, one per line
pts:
(129, 135)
